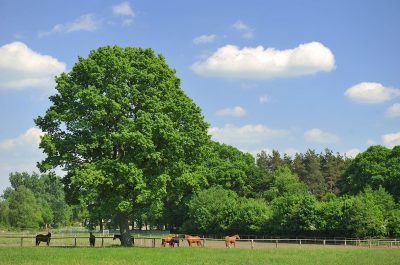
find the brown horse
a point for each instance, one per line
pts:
(231, 240)
(167, 239)
(193, 239)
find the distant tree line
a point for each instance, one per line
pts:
(36, 201)
(308, 194)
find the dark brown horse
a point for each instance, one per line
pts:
(231, 240)
(43, 238)
(119, 237)
(193, 239)
(92, 240)
(173, 241)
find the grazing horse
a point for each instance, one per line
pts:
(92, 240)
(167, 239)
(43, 238)
(173, 241)
(119, 237)
(231, 240)
(193, 239)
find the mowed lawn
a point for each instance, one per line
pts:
(192, 256)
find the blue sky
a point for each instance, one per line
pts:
(285, 75)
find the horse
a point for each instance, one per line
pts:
(119, 237)
(43, 238)
(92, 240)
(167, 239)
(231, 240)
(193, 239)
(173, 241)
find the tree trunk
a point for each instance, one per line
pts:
(124, 231)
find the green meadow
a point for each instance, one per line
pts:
(192, 256)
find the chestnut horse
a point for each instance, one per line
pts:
(231, 240)
(193, 239)
(167, 239)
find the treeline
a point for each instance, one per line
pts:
(36, 201)
(309, 194)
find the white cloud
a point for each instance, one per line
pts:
(21, 67)
(247, 134)
(234, 112)
(265, 63)
(87, 22)
(393, 111)
(264, 99)
(123, 9)
(317, 136)
(244, 29)
(204, 39)
(352, 152)
(30, 137)
(19, 154)
(391, 139)
(371, 93)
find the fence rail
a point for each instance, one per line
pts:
(152, 242)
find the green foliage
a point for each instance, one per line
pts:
(124, 131)
(295, 215)
(251, 216)
(49, 195)
(24, 212)
(377, 166)
(211, 211)
(284, 183)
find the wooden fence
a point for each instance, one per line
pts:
(152, 242)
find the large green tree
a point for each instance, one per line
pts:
(123, 130)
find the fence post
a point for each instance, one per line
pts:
(252, 243)
(324, 242)
(345, 243)
(300, 242)
(276, 243)
(153, 242)
(102, 241)
(75, 242)
(22, 239)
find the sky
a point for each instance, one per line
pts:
(284, 75)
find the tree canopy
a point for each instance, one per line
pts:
(123, 130)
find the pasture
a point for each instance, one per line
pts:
(197, 255)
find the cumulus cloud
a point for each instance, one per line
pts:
(87, 22)
(21, 67)
(123, 9)
(391, 139)
(244, 29)
(234, 112)
(19, 154)
(247, 134)
(393, 111)
(318, 136)
(352, 152)
(265, 63)
(204, 39)
(371, 93)
(264, 99)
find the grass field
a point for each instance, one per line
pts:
(192, 256)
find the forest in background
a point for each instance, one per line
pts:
(309, 194)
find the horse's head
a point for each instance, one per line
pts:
(237, 236)
(48, 234)
(115, 237)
